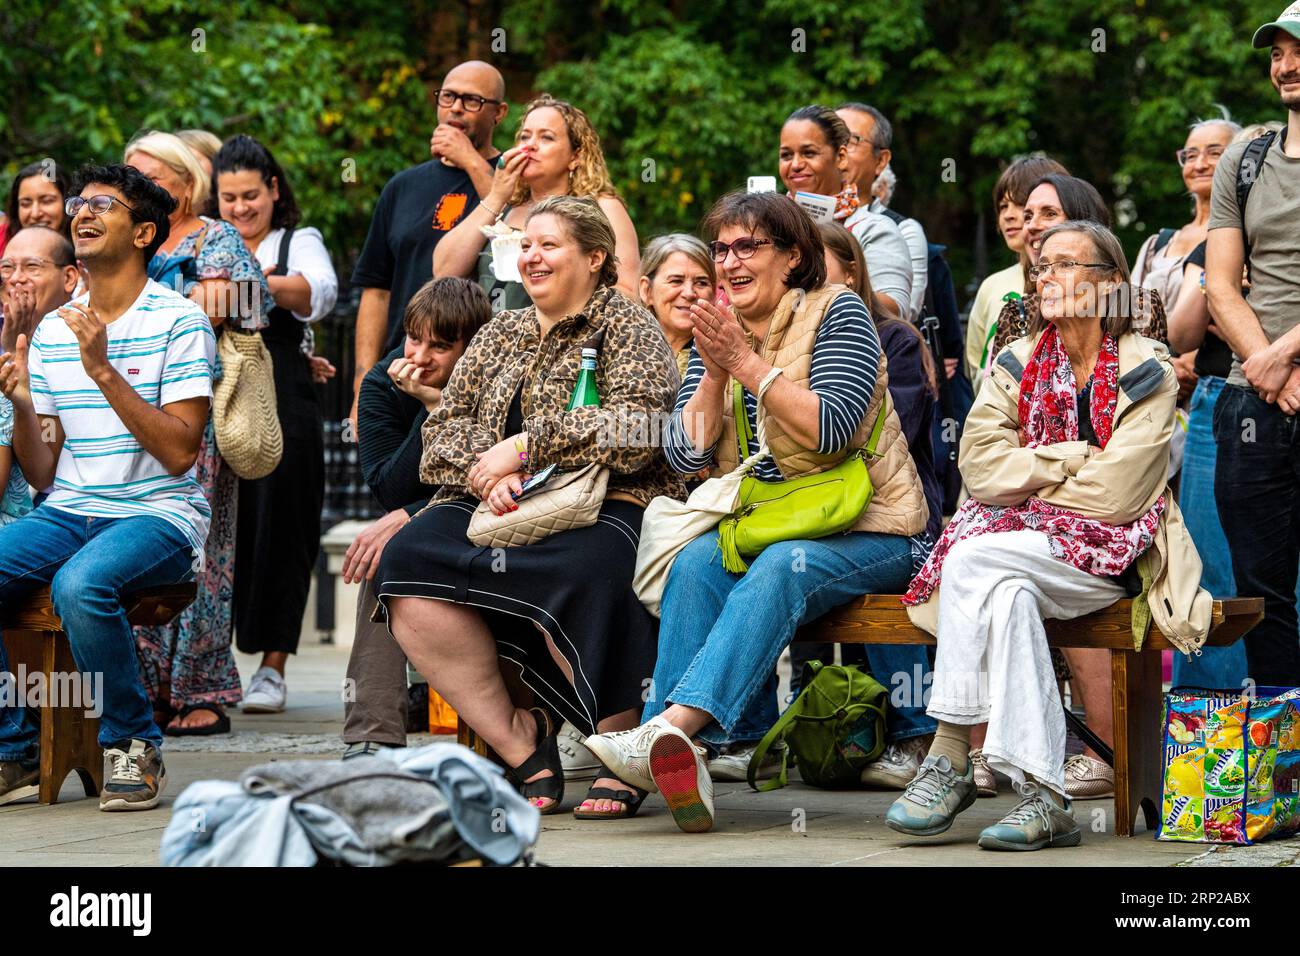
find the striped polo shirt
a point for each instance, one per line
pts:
(165, 348)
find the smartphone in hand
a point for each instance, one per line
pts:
(534, 483)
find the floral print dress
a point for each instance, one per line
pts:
(190, 661)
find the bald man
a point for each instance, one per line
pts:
(420, 205)
(39, 272)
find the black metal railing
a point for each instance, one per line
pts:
(346, 493)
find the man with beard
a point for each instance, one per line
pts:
(1255, 483)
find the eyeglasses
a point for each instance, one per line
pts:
(1065, 265)
(98, 205)
(28, 267)
(472, 101)
(856, 139)
(744, 248)
(1186, 156)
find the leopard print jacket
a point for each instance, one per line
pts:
(635, 374)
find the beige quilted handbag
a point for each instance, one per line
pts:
(243, 406)
(570, 500)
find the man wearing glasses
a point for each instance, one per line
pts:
(870, 136)
(420, 205)
(110, 400)
(37, 275)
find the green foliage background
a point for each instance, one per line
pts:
(700, 89)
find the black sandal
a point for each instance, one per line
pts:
(220, 726)
(545, 757)
(631, 798)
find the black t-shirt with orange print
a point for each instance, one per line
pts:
(417, 208)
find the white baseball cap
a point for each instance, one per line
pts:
(1288, 20)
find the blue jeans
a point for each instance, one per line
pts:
(1216, 667)
(89, 563)
(721, 634)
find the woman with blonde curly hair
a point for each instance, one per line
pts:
(556, 153)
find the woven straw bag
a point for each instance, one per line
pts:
(243, 406)
(569, 501)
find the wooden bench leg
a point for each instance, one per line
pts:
(1136, 708)
(69, 739)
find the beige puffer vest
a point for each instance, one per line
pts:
(898, 505)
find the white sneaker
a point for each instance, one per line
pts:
(627, 752)
(266, 692)
(682, 776)
(898, 765)
(732, 765)
(578, 762)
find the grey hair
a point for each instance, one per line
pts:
(882, 133)
(1224, 119)
(1256, 130)
(887, 181)
(658, 250)
(1117, 308)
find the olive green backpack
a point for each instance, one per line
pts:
(834, 728)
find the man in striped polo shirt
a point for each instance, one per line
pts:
(110, 401)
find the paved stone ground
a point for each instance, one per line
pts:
(797, 826)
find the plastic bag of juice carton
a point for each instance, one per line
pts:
(1231, 766)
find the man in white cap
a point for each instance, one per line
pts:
(1253, 210)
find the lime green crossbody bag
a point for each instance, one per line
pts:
(813, 506)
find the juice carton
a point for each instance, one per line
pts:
(1185, 723)
(1223, 820)
(1225, 773)
(1185, 775)
(1223, 727)
(1260, 819)
(1182, 819)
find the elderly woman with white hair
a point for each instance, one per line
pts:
(189, 670)
(1065, 455)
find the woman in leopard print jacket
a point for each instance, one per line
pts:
(559, 613)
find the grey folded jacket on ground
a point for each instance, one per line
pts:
(440, 803)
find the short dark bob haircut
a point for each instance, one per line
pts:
(780, 219)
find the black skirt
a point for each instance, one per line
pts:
(576, 586)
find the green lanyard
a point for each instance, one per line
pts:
(744, 434)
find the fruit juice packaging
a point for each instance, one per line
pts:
(1231, 766)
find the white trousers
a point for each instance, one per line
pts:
(992, 662)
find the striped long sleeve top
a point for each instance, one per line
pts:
(846, 357)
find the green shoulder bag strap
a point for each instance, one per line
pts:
(746, 436)
(778, 732)
(743, 432)
(881, 415)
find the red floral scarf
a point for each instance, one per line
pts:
(1049, 414)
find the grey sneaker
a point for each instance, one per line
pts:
(732, 764)
(576, 759)
(900, 762)
(367, 748)
(931, 801)
(18, 782)
(1035, 822)
(134, 776)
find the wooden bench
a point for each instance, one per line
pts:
(34, 638)
(1136, 692)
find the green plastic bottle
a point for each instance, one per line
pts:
(584, 391)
